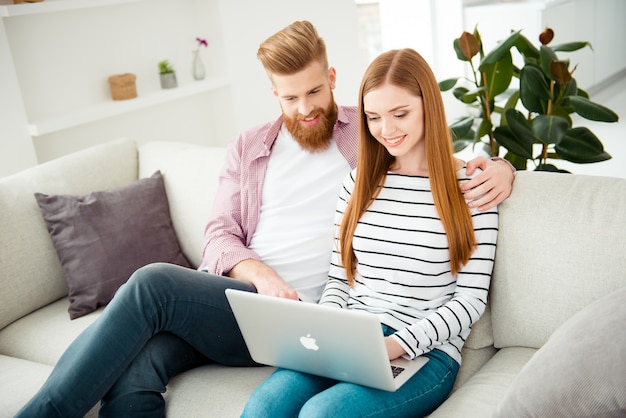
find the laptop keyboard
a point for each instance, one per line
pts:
(396, 370)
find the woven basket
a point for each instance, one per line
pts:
(123, 86)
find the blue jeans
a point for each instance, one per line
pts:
(287, 393)
(166, 319)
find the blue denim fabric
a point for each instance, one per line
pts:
(164, 320)
(287, 393)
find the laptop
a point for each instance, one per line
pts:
(340, 344)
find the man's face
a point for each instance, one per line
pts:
(308, 106)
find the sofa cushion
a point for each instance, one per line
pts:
(191, 174)
(561, 246)
(213, 390)
(580, 371)
(103, 237)
(44, 335)
(20, 381)
(482, 392)
(26, 251)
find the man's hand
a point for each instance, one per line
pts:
(264, 278)
(489, 188)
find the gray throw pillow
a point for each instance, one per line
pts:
(102, 238)
(580, 371)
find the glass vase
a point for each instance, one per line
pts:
(197, 67)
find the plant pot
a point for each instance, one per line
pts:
(168, 81)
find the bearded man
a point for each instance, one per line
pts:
(270, 231)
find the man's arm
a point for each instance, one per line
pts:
(492, 186)
(226, 234)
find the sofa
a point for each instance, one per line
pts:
(551, 342)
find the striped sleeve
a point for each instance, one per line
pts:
(451, 322)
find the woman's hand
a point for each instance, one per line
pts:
(394, 349)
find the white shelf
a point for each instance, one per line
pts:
(48, 6)
(120, 107)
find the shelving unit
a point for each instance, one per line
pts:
(97, 111)
(114, 108)
(49, 6)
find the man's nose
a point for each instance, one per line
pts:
(305, 107)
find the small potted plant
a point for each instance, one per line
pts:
(167, 75)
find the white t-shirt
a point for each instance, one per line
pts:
(295, 232)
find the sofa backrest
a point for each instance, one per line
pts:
(191, 175)
(560, 246)
(30, 272)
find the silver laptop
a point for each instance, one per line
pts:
(341, 344)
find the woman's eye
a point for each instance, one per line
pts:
(400, 116)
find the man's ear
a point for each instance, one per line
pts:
(332, 77)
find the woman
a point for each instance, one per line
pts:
(408, 250)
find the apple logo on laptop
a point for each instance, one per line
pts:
(309, 343)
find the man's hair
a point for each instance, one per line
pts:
(292, 49)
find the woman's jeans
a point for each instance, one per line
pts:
(288, 393)
(166, 319)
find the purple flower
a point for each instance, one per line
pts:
(201, 42)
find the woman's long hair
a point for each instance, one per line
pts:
(407, 69)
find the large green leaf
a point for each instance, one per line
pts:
(498, 75)
(547, 56)
(591, 110)
(520, 127)
(467, 96)
(512, 143)
(526, 48)
(550, 167)
(550, 129)
(459, 145)
(484, 128)
(447, 84)
(461, 127)
(499, 51)
(534, 89)
(520, 163)
(571, 46)
(580, 145)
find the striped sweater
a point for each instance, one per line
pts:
(403, 267)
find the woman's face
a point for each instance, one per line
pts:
(395, 118)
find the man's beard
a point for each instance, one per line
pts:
(315, 138)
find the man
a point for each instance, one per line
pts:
(271, 231)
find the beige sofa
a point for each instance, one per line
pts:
(561, 248)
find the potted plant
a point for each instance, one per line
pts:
(167, 75)
(530, 119)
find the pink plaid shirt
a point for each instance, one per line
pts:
(235, 212)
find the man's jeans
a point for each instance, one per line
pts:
(166, 319)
